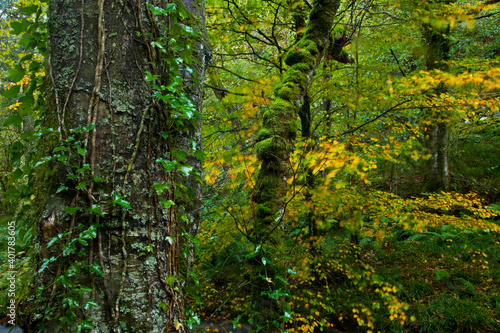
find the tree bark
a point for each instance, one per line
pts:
(276, 140)
(280, 126)
(436, 121)
(120, 193)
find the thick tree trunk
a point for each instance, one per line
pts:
(110, 239)
(436, 121)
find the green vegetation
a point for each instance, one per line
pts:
(350, 179)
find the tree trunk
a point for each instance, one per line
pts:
(436, 121)
(276, 141)
(119, 195)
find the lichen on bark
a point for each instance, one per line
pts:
(96, 76)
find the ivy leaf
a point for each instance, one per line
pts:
(167, 165)
(89, 128)
(46, 263)
(69, 249)
(88, 305)
(200, 155)
(96, 269)
(81, 151)
(171, 280)
(186, 169)
(54, 240)
(27, 41)
(70, 210)
(90, 233)
(16, 73)
(167, 203)
(96, 209)
(118, 200)
(160, 187)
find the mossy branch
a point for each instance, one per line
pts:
(280, 123)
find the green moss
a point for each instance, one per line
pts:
(269, 119)
(279, 109)
(263, 148)
(277, 87)
(291, 128)
(271, 149)
(297, 55)
(264, 133)
(308, 45)
(268, 183)
(263, 210)
(288, 91)
(295, 76)
(302, 67)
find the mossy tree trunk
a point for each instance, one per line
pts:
(280, 122)
(436, 121)
(120, 191)
(276, 140)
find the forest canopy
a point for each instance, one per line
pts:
(263, 166)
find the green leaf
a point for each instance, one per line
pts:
(46, 263)
(16, 150)
(89, 128)
(14, 119)
(98, 179)
(71, 210)
(83, 242)
(12, 92)
(27, 41)
(167, 165)
(96, 269)
(186, 170)
(169, 8)
(29, 10)
(200, 156)
(151, 77)
(163, 306)
(81, 150)
(90, 304)
(60, 148)
(171, 280)
(68, 249)
(118, 200)
(54, 240)
(189, 31)
(167, 203)
(96, 209)
(19, 27)
(90, 233)
(160, 187)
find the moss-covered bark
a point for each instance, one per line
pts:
(99, 52)
(276, 139)
(280, 122)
